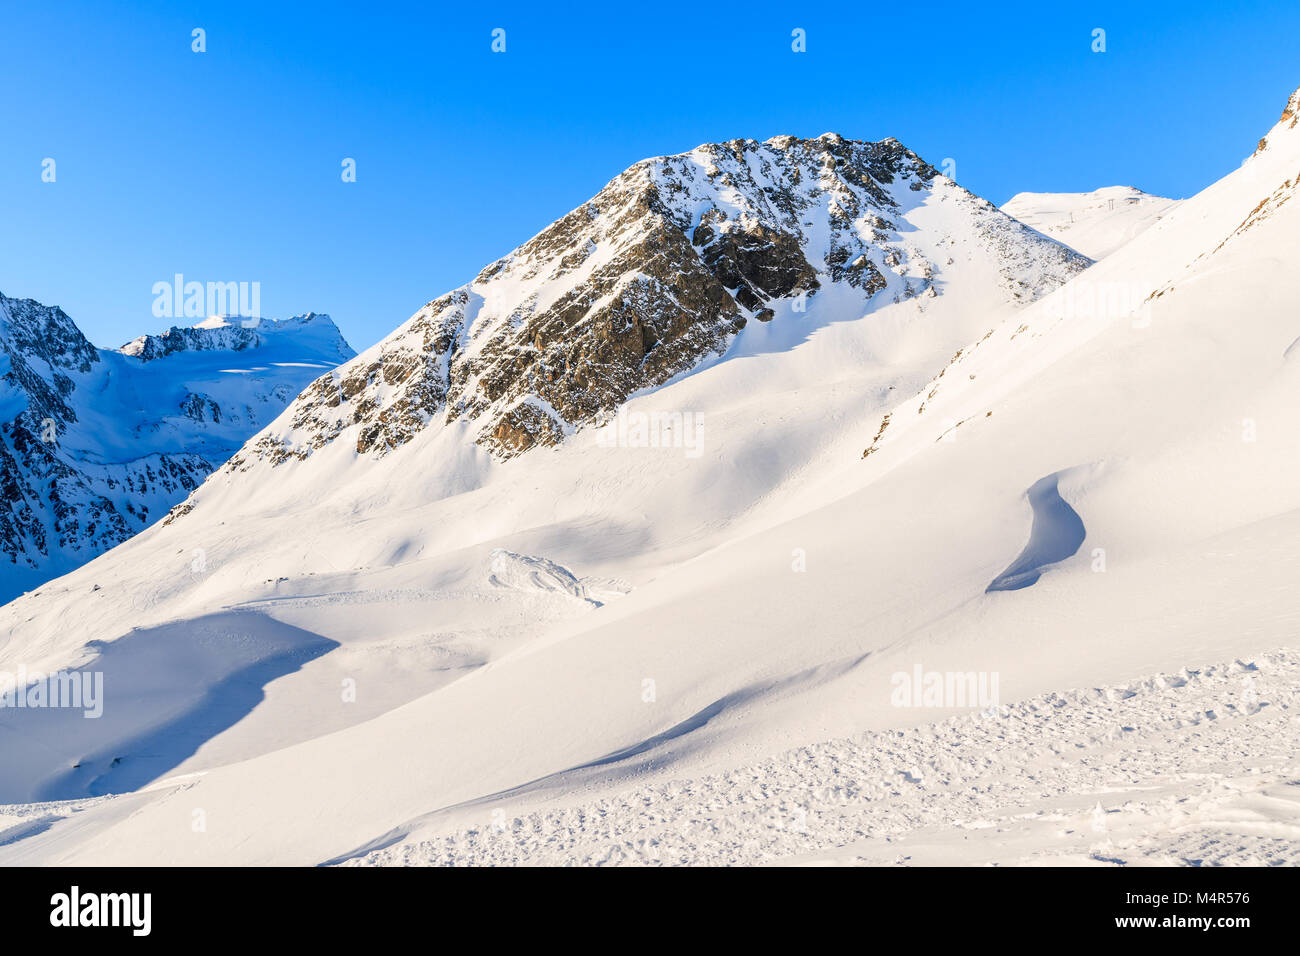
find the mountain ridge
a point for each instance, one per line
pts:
(230, 333)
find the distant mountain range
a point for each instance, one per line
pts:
(95, 444)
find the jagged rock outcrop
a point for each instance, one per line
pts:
(1290, 117)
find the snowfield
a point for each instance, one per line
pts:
(1095, 223)
(965, 578)
(1193, 768)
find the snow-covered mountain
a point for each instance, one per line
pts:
(97, 443)
(418, 636)
(655, 276)
(1095, 223)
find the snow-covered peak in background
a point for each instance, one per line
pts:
(1095, 223)
(314, 332)
(97, 443)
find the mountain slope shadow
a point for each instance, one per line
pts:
(1056, 534)
(163, 692)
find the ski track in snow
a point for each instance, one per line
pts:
(1194, 768)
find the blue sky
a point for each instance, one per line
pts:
(225, 165)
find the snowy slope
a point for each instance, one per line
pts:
(98, 443)
(774, 586)
(1189, 768)
(1095, 223)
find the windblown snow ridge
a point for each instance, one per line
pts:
(1057, 533)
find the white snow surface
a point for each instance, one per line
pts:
(1094, 223)
(729, 697)
(1192, 768)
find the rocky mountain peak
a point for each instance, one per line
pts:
(1288, 120)
(656, 273)
(45, 333)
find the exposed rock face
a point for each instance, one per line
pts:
(147, 348)
(1290, 117)
(96, 444)
(201, 408)
(651, 277)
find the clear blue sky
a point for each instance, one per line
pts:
(225, 165)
